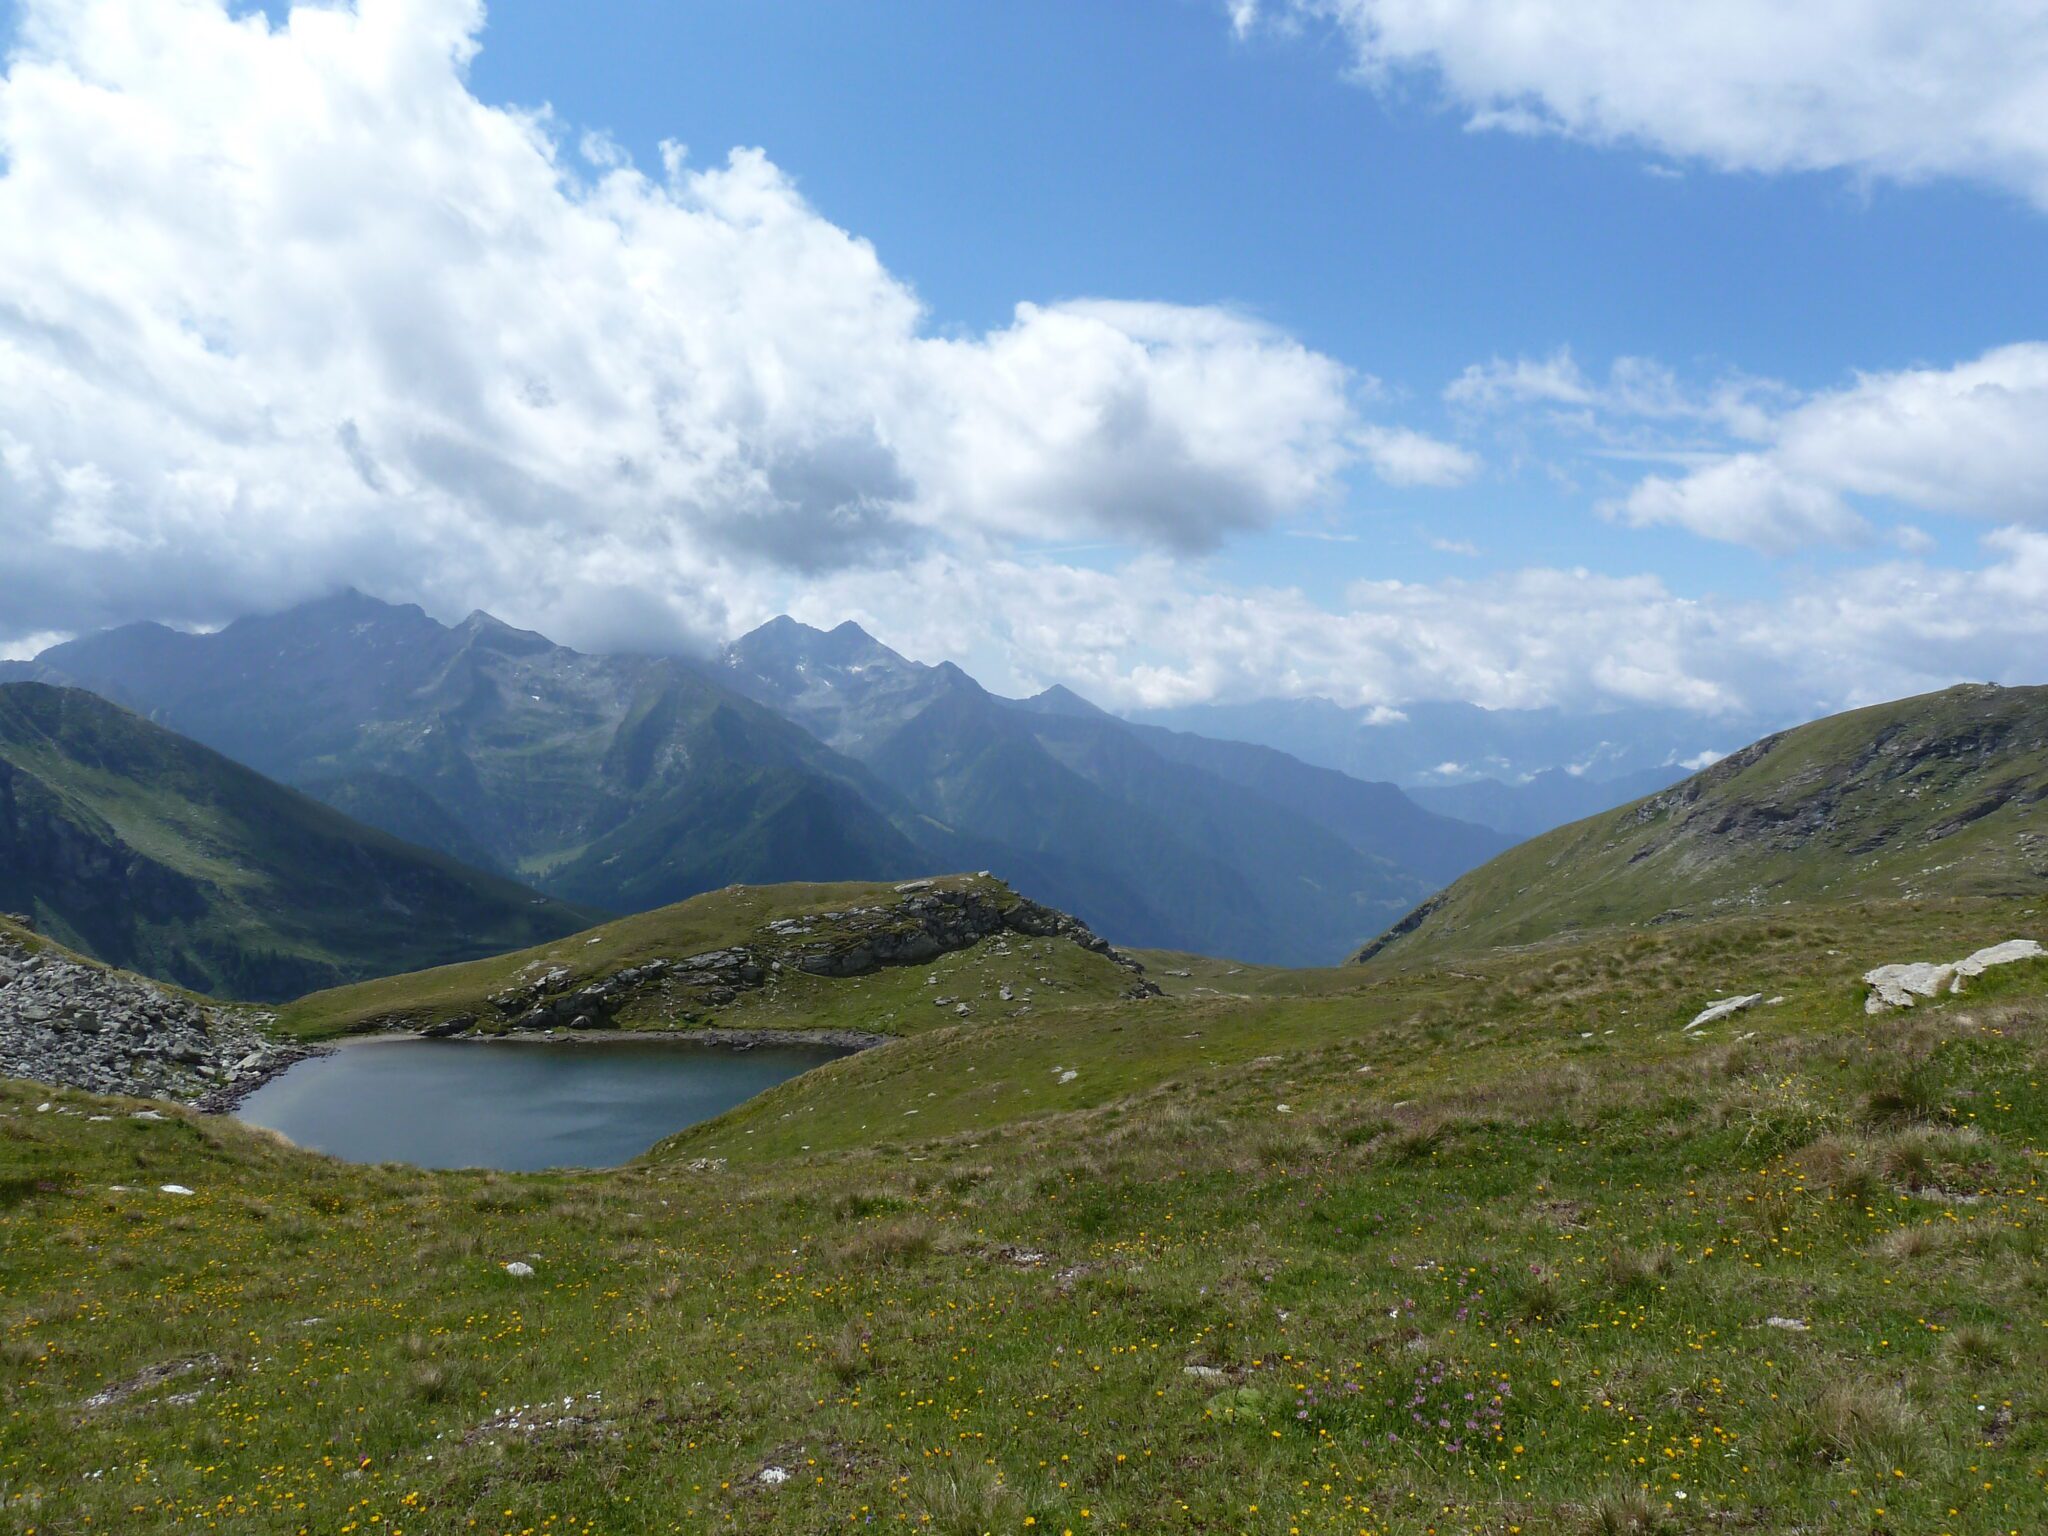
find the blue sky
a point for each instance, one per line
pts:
(1409, 470)
(1050, 150)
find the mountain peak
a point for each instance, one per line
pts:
(1059, 699)
(492, 633)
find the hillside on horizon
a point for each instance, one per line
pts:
(1944, 795)
(151, 852)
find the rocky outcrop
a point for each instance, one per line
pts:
(1407, 925)
(926, 922)
(67, 1021)
(1897, 986)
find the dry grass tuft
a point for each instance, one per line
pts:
(1624, 1514)
(889, 1244)
(1871, 1425)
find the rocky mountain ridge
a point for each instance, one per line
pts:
(630, 781)
(1166, 839)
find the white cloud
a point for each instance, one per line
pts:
(1153, 634)
(1967, 440)
(1747, 499)
(1901, 89)
(1635, 387)
(25, 647)
(1553, 380)
(287, 306)
(1403, 457)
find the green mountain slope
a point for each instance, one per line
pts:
(148, 851)
(1941, 795)
(621, 781)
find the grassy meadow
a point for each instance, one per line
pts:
(1500, 1248)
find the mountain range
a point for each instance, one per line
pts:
(150, 851)
(627, 782)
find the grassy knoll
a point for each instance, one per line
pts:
(1039, 973)
(1518, 1255)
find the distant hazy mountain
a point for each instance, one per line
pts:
(1548, 799)
(1945, 795)
(1155, 838)
(149, 851)
(1449, 743)
(620, 781)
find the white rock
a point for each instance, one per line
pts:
(1789, 1324)
(1725, 1007)
(1208, 1375)
(519, 1269)
(1896, 986)
(1069, 1075)
(1998, 954)
(774, 1477)
(174, 1189)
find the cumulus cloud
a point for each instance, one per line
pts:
(1900, 89)
(1746, 499)
(286, 305)
(1965, 440)
(1148, 634)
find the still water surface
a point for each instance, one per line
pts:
(483, 1104)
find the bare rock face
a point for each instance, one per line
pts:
(1899, 986)
(67, 1021)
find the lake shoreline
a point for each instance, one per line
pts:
(727, 1039)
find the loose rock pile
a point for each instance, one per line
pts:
(63, 1021)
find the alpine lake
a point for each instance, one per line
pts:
(516, 1105)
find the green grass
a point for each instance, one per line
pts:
(1145, 1299)
(1943, 794)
